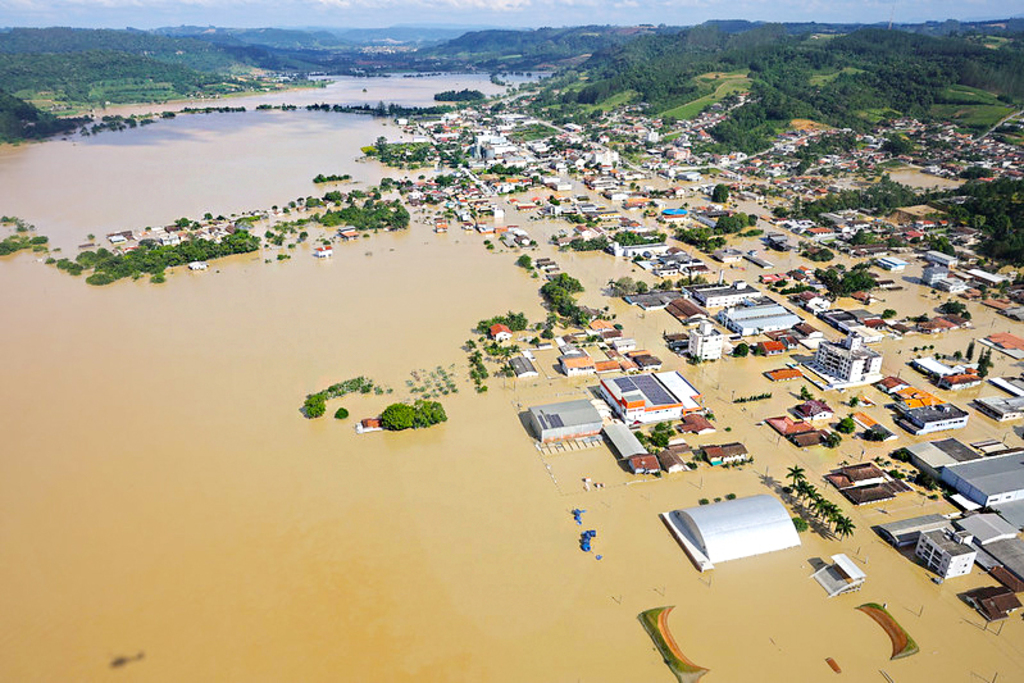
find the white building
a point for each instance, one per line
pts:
(645, 399)
(848, 363)
(938, 258)
(933, 274)
(706, 342)
(947, 553)
(717, 296)
(732, 529)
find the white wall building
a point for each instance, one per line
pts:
(706, 342)
(848, 363)
(947, 553)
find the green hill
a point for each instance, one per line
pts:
(849, 80)
(97, 77)
(19, 120)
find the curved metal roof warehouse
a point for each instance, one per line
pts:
(733, 529)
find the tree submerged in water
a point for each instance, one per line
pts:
(400, 416)
(315, 405)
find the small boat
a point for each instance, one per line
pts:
(832, 663)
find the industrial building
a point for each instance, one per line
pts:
(643, 399)
(931, 456)
(732, 529)
(757, 318)
(566, 420)
(907, 532)
(848, 363)
(717, 296)
(1001, 409)
(989, 481)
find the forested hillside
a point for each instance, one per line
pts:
(188, 52)
(19, 120)
(103, 76)
(851, 80)
(530, 49)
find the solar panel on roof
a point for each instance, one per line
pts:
(556, 421)
(625, 384)
(654, 392)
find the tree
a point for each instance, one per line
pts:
(800, 524)
(805, 393)
(340, 414)
(984, 363)
(846, 425)
(897, 145)
(832, 440)
(844, 526)
(742, 350)
(525, 261)
(720, 194)
(795, 474)
(970, 350)
(888, 313)
(955, 308)
(398, 416)
(315, 405)
(624, 286)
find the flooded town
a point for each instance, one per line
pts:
(769, 402)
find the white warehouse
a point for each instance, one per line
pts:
(732, 529)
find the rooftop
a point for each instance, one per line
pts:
(567, 413)
(993, 476)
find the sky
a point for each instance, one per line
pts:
(491, 13)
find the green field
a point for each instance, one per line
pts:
(978, 117)
(728, 84)
(536, 131)
(970, 107)
(616, 100)
(824, 77)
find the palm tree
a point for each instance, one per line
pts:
(804, 489)
(795, 474)
(844, 526)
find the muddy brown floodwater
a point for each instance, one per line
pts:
(160, 492)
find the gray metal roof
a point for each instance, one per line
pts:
(986, 527)
(625, 443)
(993, 476)
(522, 365)
(1009, 553)
(905, 530)
(567, 413)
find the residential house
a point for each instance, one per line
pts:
(726, 453)
(814, 410)
(500, 332)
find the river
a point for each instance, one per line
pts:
(161, 494)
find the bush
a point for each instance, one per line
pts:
(703, 501)
(730, 496)
(846, 425)
(315, 405)
(800, 524)
(340, 414)
(399, 416)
